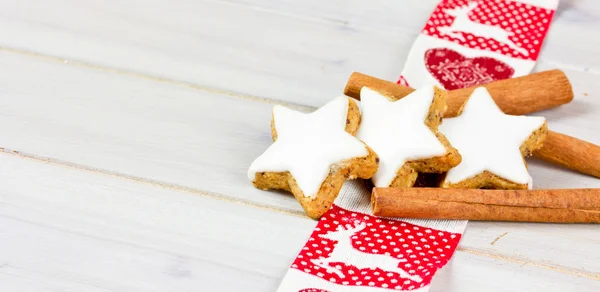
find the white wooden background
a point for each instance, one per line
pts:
(127, 128)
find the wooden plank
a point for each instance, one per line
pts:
(299, 52)
(382, 15)
(64, 229)
(576, 22)
(157, 133)
(471, 273)
(27, 26)
(207, 43)
(566, 247)
(107, 45)
(152, 133)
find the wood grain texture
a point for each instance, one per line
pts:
(575, 23)
(462, 274)
(297, 52)
(158, 94)
(129, 143)
(212, 44)
(69, 230)
(151, 131)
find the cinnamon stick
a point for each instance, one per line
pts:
(515, 96)
(571, 153)
(548, 206)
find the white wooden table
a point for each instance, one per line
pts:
(128, 126)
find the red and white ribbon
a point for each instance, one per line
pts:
(350, 250)
(464, 43)
(467, 43)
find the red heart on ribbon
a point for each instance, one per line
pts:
(455, 71)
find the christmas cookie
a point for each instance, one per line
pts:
(403, 132)
(492, 144)
(313, 154)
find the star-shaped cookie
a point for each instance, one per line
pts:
(313, 154)
(492, 144)
(403, 132)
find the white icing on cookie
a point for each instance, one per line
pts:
(488, 139)
(309, 144)
(396, 131)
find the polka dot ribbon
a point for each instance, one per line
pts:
(464, 43)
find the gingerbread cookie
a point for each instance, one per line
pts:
(403, 132)
(492, 144)
(313, 154)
